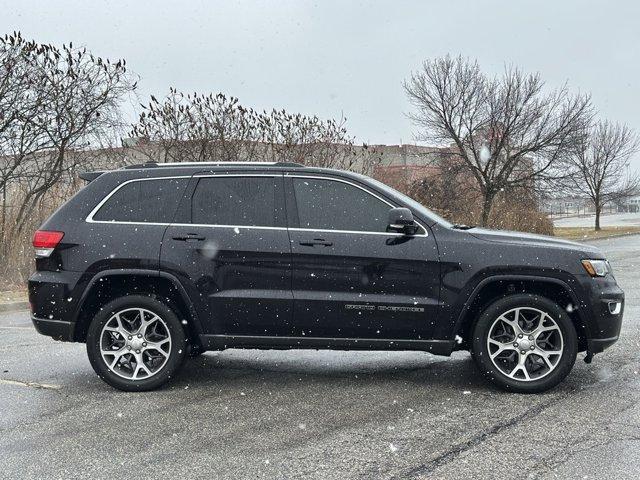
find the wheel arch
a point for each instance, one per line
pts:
(109, 284)
(492, 288)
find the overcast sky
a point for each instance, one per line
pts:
(339, 57)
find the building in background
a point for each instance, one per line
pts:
(574, 206)
(630, 204)
(567, 205)
(403, 165)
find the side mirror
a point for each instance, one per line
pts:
(401, 220)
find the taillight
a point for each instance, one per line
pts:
(45, 242)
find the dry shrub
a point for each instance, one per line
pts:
(454, 198)
(16, 252)
(520, 215)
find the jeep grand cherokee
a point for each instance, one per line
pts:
(152, 263)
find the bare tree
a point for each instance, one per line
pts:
(81, 102)
(311, 141)
(196, 128)
(57, 106)
(20, 105)
(601, 165)
(505, 131)
(443, 176)
(218, 128)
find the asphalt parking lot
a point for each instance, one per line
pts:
(320, 415)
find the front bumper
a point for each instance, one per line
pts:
(58, 329)
(604, 309)
(598, 345)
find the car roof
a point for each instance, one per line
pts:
(184, 169)
(153, 169)
(212, 164)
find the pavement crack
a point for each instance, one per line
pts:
(44, 386)
(582, 444)
(19, 345)
(452, 453)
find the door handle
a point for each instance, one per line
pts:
(314, 242)
(188, 237)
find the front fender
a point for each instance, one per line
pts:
(474, 289)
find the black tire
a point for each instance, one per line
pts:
(194, 351)
(176, 352)
(548, 380)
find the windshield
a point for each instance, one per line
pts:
(413, 204)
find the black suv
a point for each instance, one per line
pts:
(156, 262)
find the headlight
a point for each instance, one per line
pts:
(596, 268)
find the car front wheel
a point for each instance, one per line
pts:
(136, 343)
(524, 343)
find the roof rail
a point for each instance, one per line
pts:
(212, 164)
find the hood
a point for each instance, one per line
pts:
(521, 238)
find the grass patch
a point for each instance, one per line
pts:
(588, 233)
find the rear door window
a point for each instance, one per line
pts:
(236, 201)
(143, 201)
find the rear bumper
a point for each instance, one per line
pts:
(57, 329)
(53, 297)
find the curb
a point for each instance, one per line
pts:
(617, 235)
(13, 306)
(628, 234)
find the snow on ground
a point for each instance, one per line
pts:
(608, 220)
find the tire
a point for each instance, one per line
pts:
(497, 332)
(194, 351)
(115, 334)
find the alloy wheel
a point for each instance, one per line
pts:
(135, 343)
(525, 344)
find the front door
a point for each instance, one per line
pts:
(230, 248)
(351, 278)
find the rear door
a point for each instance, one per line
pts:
(351, 278)
(230, 248)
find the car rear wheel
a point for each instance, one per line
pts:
(195, 351)
(524, 343)
(136, 343)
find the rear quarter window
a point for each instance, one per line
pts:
(143, 201)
